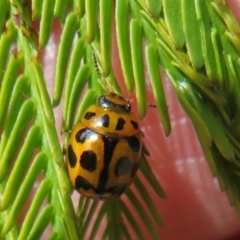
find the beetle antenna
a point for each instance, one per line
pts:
(152, 105)
(96, 66)
(100, 75)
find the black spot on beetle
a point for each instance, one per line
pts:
(103, 177)
(89, 115)
(84, 134)
(117, 190)
(81, 182)
(88, 160)
(109, 146)
(105, 120)
(71, 156)
(123, 166)
(120, 124)
(134, 143)
(134, 169)
(134, 124)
